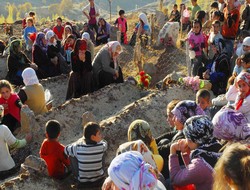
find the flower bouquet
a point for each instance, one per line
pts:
(143, 80)
(195, 83)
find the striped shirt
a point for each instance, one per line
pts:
(90, 159)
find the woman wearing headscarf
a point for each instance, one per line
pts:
(40, 57)
(199, 163)
(17, 61)
(32, 94)
(128, 171)
(81, 77)
(232, 126)
(90, 45)
(140, 130)
(182, 111)
(103, 33)
(218, 71)
(141, 28)
(105, 65)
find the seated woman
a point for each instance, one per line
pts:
(39, 56)
(17, 62)
(66, 33)
(232, 169)
(200, 154)
(140, 129)
(89, 31)
(129, 171)
(103, 33)
(81, 77)
(218, 71)
(90, 45)
(180, 113)
(106, 69)
(7, 140)
(12, 106)
(32, 94)
(141, 28)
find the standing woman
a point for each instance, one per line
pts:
(81, 79)
(17, 62)
(105, 66)
(103, 33)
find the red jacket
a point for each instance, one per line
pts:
(59, 31)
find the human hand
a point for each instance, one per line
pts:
(238, 61)
(206, 75)
(174, 147)
(183, 145)
(28, 137)
(81, 56)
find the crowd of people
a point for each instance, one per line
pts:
(208, 146)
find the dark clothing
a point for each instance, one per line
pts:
(245, 25)
(175, 16)
(81, 77)
(16, 65)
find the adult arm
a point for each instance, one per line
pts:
(105, 61)
(18, 103)
(246, 13)
(85, 10)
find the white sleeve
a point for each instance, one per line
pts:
(97, 9)
(105, 144)
(70, 150)
(86, 9)
(8, 136)
(232, 93)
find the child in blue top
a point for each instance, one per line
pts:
(30, 28)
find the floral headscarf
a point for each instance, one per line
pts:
(245, 76)
(140, 129)
(186, 109)
(128, 171)
(230, 125)
(39, 41)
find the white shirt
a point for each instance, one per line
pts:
(6, 139)
(86, 9)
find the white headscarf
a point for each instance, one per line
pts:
(86, 36)
(129, 171)
(144, 18)
(112, 47)
(48, 36)
(29, 77)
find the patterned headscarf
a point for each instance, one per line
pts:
(231, 125)
(128, 171)
(186, 109)
(140, 129)
(199, 129)
(39, 41)
(15, 44)
(245, 76)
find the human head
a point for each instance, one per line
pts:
(198, 130)
(70, 39)
(218, 45)
(101, 22)
(245, 60)
(115, 48)
(140, 129)
(184, 110)
(230, 125)
(86, 36)
(232, 171)
(50, 36)
(243, 34)
(214, 5)
(52, 128)
(194, 2)
(29, 77)
(31, 13)
(5, 89)
(143, 18)
(196, 26)
(30, 21)
(246, 44)
(92, 132)
(129, 171)
(67, 30)
(121, 13)
(201, 16)
(59, 21)
(230, 3)
(216, 15)
(91, 2)
(203, 98)
(85, 26)
(16, 47)
(175, 7)
(40, 40)
(80, 47)
(170, 117)
(216, 26)
(243, 83)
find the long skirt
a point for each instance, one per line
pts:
(79, 84)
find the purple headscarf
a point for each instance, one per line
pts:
(230, 125)
(186, 109)
(39, 41)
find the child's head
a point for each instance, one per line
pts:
(232, 171)
(67, 30)
(214, 5)
(243, 83)
(31, 13)
(175, 7)
(170, 117)
(216, 15)
(203, 98)
(246, 44)
(216, 26)
(59, 21)
(53, 128)
(121, 13)
(70, 39)
(30, 21)
(201, 16)
(245, 60)
(197, 26)
(194, 2)
(92, 132)
(5, 89)
(243, 34)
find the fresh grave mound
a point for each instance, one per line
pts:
(120, 104)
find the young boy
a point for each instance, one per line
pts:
(59, 29)
(121, 23)
(53, 152)
(86, 156)
(195, 8)
(203, 100)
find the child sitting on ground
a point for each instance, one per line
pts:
(242, 102)
(203, 100)
(86, 156)
(12, 106)
(53, 152)
(121, 23)
(69, 46)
